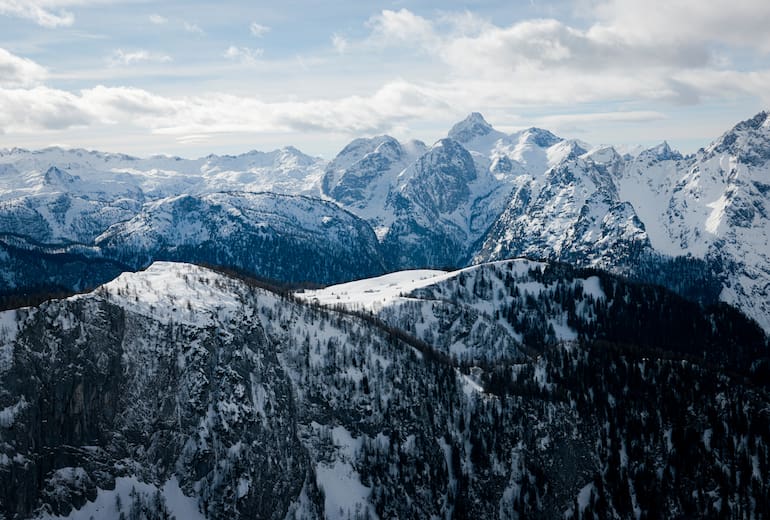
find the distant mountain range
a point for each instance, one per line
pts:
(697, 224)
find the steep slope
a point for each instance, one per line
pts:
(179, 391)
(573, 213)
(161, 378)
(287, 238)
(698, 224)
(441, 204)
(430, 205)
(724, 199)
(362, 176)
(713, 206)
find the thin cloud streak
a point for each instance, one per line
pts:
(121, 57)
(51, 109)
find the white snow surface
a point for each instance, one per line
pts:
(168, 291)
(375, 293)
(381, 291)
(105, 505)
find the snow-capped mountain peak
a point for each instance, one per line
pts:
(470, 128)
(661, 152)
(538, 137)
(55, 176)
(565, 150)
(748, 141)
(604, 155)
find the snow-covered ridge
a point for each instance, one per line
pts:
(373, 294)
(211, 398)
(175, 292)
(285, 170)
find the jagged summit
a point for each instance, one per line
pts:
(749, 141)
(661, 152)
(470, 128)
(540, 137)
(56, 176)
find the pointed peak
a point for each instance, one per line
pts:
(567, 150)
(662, 152)
(471, 127)
(748, 140)
(476, 118)
(56, 176)
(292, 150)
(604, 155)
(540, 137)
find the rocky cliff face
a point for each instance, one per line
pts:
(573, 213)
(106, 387)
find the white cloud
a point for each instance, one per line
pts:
(40, 109)
(548, 62)
(38, 11)
(19, 72)
(192, 28)
(258, 30)
(401, 27)
(126, 58)
(733, 22)
(339, 43)
(158, 19)
(44, 109)
(244, 55)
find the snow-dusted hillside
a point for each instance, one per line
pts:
(282, 237)
(181, 391)
(501, 310)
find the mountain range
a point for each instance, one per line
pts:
(491, 326)
(477, 195)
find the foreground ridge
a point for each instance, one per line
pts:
(182, 391)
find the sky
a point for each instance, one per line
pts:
(191, 78)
